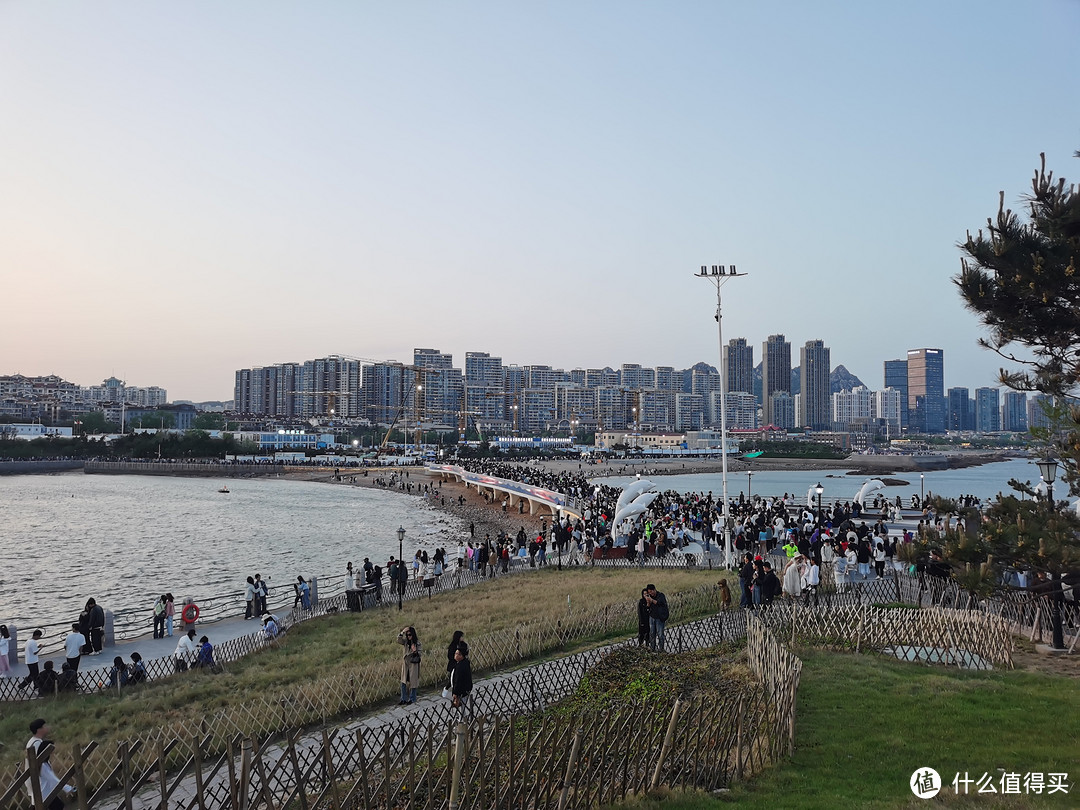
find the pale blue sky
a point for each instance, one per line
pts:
(191, 188)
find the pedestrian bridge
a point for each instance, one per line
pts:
(540, 501)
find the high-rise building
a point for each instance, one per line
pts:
(601, 378)
(896, 377)
(887, 410)
(688, 411)
(814, 388)
(328, 386)
(666, 379)
(1036, 406)
(775, 377)
(634, 376)
(740, 365)
(383, 389)
(782, 408)
(926, 390)
(742, 409)
(484, 397)
(705, 383)
(987, 410)
(853, 410)
(958, 408)
(483, 369)
(1014, 411)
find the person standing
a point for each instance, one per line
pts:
(31, 654)
(249, 599)
(159, 617)
(303, 593)
(262, 590)
(658, 616)
(461, 683)
(455, 642)
(402, 578)
(643, 619)
(170, 612)
(410, 663)
(792, 580)
(350, 578)
(73, 646)
(97, 625)
(811, 580)
(5, 650)
(47, 780)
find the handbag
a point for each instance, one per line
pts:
(446, 693)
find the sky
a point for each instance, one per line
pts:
(187, 189)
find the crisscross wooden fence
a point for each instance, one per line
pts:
(507, 760)
(936, 635)
(322, 699)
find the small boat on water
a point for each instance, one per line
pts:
(224, 490)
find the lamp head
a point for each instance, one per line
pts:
(401, 533)
(1048, 469)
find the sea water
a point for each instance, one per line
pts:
(125, 539)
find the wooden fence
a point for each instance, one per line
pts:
(322, 699)
(512, 756)
(935, 635)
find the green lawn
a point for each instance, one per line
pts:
(866, 723)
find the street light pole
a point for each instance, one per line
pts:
(401, 562)
(1048, 468)
(819, 489)
(749, 478)
(718, 275)
(922, 491)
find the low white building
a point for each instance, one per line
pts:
(33, 431)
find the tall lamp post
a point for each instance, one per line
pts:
(401, 562)
(1048, 468)
(749, 477)
(922, 491)
(718, 275)
(819, 489)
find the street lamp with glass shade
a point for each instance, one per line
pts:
(401, 562)
(1048, 470)
(922, 490)
(819, 489)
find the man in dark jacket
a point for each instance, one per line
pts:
(461, 683)
(770, 585)
(658, 616)
(97, 626)
(746, 578)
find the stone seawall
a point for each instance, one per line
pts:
(32, 467)
(181, 468)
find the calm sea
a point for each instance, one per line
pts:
(985, 482)
(126, 539)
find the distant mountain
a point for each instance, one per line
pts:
(688, 373)
(840, 379)
(843, 380)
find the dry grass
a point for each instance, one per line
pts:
(336, 645)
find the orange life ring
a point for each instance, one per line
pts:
(190, 613)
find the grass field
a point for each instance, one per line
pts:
(338, 644)
(866, 723)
